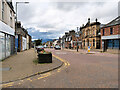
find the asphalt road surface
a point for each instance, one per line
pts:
(80, 71)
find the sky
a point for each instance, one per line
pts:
(50, 20)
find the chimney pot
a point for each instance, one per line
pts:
(96, 19)
(89, 20)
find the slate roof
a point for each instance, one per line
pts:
(10, 5)
(114, 22)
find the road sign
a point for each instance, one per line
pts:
(88, 49)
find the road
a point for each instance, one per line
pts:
(83, 71)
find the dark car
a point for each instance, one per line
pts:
(39, 48)
(57, 47)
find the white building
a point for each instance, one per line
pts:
(7, 29)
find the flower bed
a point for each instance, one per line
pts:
(44, 57)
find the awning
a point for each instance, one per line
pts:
(6, 29)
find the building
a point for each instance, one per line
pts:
(21, 38)
(28, 41)
(55, 42)
(7, 29)
(68, 41)
(59, 42)
(91, 35)
(110, 35)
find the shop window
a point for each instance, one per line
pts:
(116, 44)
(110, 44)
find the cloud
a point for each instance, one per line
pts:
(52, 19)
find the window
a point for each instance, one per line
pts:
(110, 44)
(116, 44)
(10, 18)
(103, 32)
(93, 32)
(84, 42)
(2, 10)
(111, 30)
(93, 42)
(87, 42)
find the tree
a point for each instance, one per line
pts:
(38, 42)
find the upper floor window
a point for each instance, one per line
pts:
(3, 7)
(10, 14)
(103, 32)
(111, 30)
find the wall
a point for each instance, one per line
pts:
(7, 10)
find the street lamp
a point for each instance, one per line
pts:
(16, 17)
(16, 11)
(77, 38)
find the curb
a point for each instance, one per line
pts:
(36, 73)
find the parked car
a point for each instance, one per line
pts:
(57, 47)
(39, 48)
(51, 47)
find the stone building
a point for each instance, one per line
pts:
(7, 29)
(91, 35)
(68, 40)
(110, 35)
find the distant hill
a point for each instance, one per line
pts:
(45, 40)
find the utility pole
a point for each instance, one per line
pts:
(77, 38)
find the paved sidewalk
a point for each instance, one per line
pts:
(22, 66)
(92, 52)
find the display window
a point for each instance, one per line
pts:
(2, 46)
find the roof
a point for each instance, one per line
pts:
(90, 24)
(10, 5)
(114, 22)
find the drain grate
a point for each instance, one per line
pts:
(5, 69)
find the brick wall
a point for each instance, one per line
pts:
(116, 30)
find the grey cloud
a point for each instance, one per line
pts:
(44, 35)
(46, 25)
(67, 6)
(59, 17)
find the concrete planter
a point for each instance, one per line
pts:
(45, 58)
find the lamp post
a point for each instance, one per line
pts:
(77, 38)
(16, 20)
(16, 12)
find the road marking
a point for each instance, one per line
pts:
(29, 79)
(66, 63)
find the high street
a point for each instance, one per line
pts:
(81, 71)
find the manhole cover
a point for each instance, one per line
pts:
(4, 69)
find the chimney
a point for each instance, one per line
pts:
(83, 25)
(66, 33)
(96, 19)
(72, 32)
(88, 20)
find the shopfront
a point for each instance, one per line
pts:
(7, 43)
(2, 46)
(111, 42)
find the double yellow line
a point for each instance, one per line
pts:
(66, 64)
